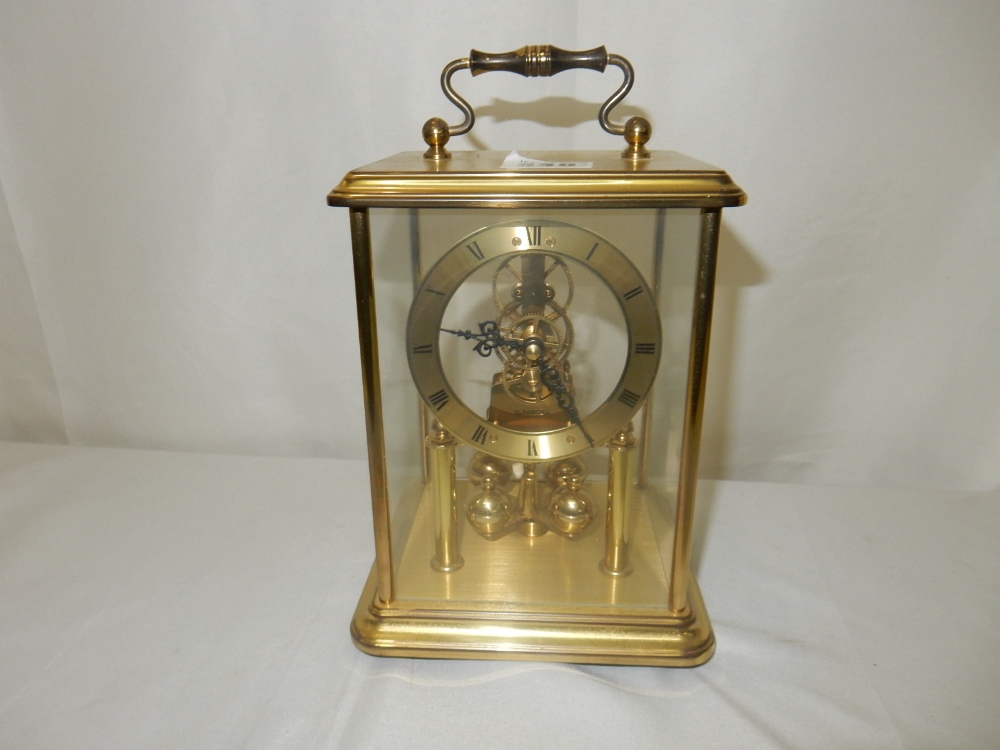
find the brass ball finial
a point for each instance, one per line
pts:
(637, 134)
(436, 134)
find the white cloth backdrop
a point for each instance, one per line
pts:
(170, 276)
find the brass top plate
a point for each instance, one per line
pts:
(476, 179)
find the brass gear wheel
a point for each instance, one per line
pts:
(557, 346)
(557, 263)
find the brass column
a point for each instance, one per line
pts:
(441, 447)
(617, 529)
(364, 282)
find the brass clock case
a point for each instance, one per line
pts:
(563, 530)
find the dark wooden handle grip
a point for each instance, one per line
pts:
(538, 60)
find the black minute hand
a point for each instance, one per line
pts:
(552, 380)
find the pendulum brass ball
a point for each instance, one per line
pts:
(559, 472)
(572, 509)
(483, 466)
(489, 511)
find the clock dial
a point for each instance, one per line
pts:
(509, 363)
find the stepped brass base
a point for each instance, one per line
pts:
(588, 635)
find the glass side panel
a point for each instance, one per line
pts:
(674, 266)
(529, 335)
(401, 405)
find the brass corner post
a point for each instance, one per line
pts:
(619, 514)
(442, 465)
(704, 294)
(364, 282)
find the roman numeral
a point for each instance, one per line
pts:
(628, 398)
(438, 399)
(479, 436)
(633, 293)
(592, 250)
(422, 349)
(532, 450)
(534, 235)
(474, 249)
(434, 291)
(645, 348)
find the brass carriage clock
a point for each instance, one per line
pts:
(534, 332)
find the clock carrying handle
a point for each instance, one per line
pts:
(533, 61)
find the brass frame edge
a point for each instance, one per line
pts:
(687, 642)
(537, 189)
(504, 197)
(364, 281)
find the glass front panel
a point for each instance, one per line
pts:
(533, 366)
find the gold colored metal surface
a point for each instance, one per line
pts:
(694, 411)
(490, 509)
(571, 507)
(364, 283)
(442, 464)
(617, 527)
(519, 622)
(477, 179)
(572, 244)
(535, 575)
(508, 411)
(436, 135)
(527, 502)
(470, 589)
(637, 134)
(493, 513)
(667, 642)
(452, 579)
(527, 596)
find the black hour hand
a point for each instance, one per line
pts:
(488, 338)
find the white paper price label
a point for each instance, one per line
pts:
(515, 161)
